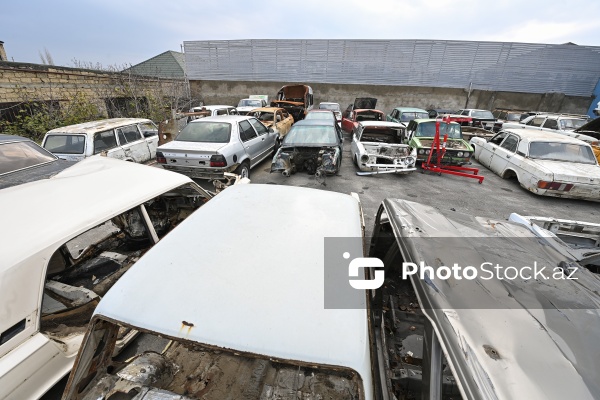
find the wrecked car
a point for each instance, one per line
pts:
(295, 99)
(129, 139)
(564, 124)
(403, 115)
(483, 335)
(273, 344)
(314, 146)
(544, 163)
(335, 107)
(421, 134)
(209, 147)
(22, 160)
(246, 105)
(61, 257)
(377, 148)
(363, 109)
(274, 118)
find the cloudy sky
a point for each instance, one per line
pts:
(127, 32)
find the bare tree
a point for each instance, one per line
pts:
(46, 57)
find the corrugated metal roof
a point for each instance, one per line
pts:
(500, 66)
(170, 64)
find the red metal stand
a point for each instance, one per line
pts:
(440, 150)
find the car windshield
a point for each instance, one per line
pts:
(311, 134)
(206, 132)
(320, 115)
(482, 114)
(427, 129)
(249, 103)
(409, 116)
(329, 106)
(570, 152)
(18, 155)
(568, 124)
(513, 117)
(65, 144)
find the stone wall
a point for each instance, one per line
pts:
(230, 92)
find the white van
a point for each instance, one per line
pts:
(129, 139)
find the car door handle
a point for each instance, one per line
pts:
(508, 156)
(262, 140)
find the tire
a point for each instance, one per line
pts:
(243, 170)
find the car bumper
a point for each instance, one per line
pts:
(579, 191)
(387, 168)
(200, 173)
(446, 160)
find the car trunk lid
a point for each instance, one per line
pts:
(572, 172)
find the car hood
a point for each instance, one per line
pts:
(592, 126)
(365, 103)
(571, 172)
(191, 146)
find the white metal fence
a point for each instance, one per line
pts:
(497, 66)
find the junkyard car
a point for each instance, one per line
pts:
(567, 125)
(246, 105)
(351, 119)
(208, 147)
(312, 145)
(275, 118)
(335, 107)
(507, 116)
(235, 324)
(377, 149)
(130, 139)
(481, 118)
(60, 257)
(480, 335)
(403, 115)
(296, 99)
(22, 160)
(213, 110)
(321, 114)
(591, 130)
(420, 136)
(544, 163)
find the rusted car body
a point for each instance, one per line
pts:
(547, 164)
(216, 331)
(314, 146)
(487, 337)
(351, 119)
(377, 148)
(59, 259)
(295, 99)
(275, 118)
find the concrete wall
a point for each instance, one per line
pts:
(229, 92)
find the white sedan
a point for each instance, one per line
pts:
(377, 149)
(544, 163)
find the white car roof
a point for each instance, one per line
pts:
(40, 215)
(221, 118)
(247, 270)
(210, 108)
(89, 128)
(534, 135)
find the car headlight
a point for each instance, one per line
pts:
(421, 151)
(459, 154)
(467, 154)
(427, 151)
(409, 160)
(364, 158)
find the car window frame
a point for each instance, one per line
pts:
(115, 136)
(516, 146)
(242, 131)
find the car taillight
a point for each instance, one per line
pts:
(218, 160)
(564, 187)
(160, 158)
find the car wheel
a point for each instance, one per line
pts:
(243, 170)
(355, 161)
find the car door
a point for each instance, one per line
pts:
(282, 122)
(504, 154)
(150, 134)
(250, 141)
(354, 147)
(133, 144)
(393, 117)
(489, 148)
(348, 121)
(267, 138)
(106, 141)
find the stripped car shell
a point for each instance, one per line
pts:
(500, 339)
(377, 149)
(276, 342)
(544, 163)
(352, 118)
(295, 99)
(275, 118)
(312, 145)
(59, 259)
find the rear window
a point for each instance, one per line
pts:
(562, 152)
(205, 132)
(320, 115)
(18, 155)
(482, 114)
(65, 144)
